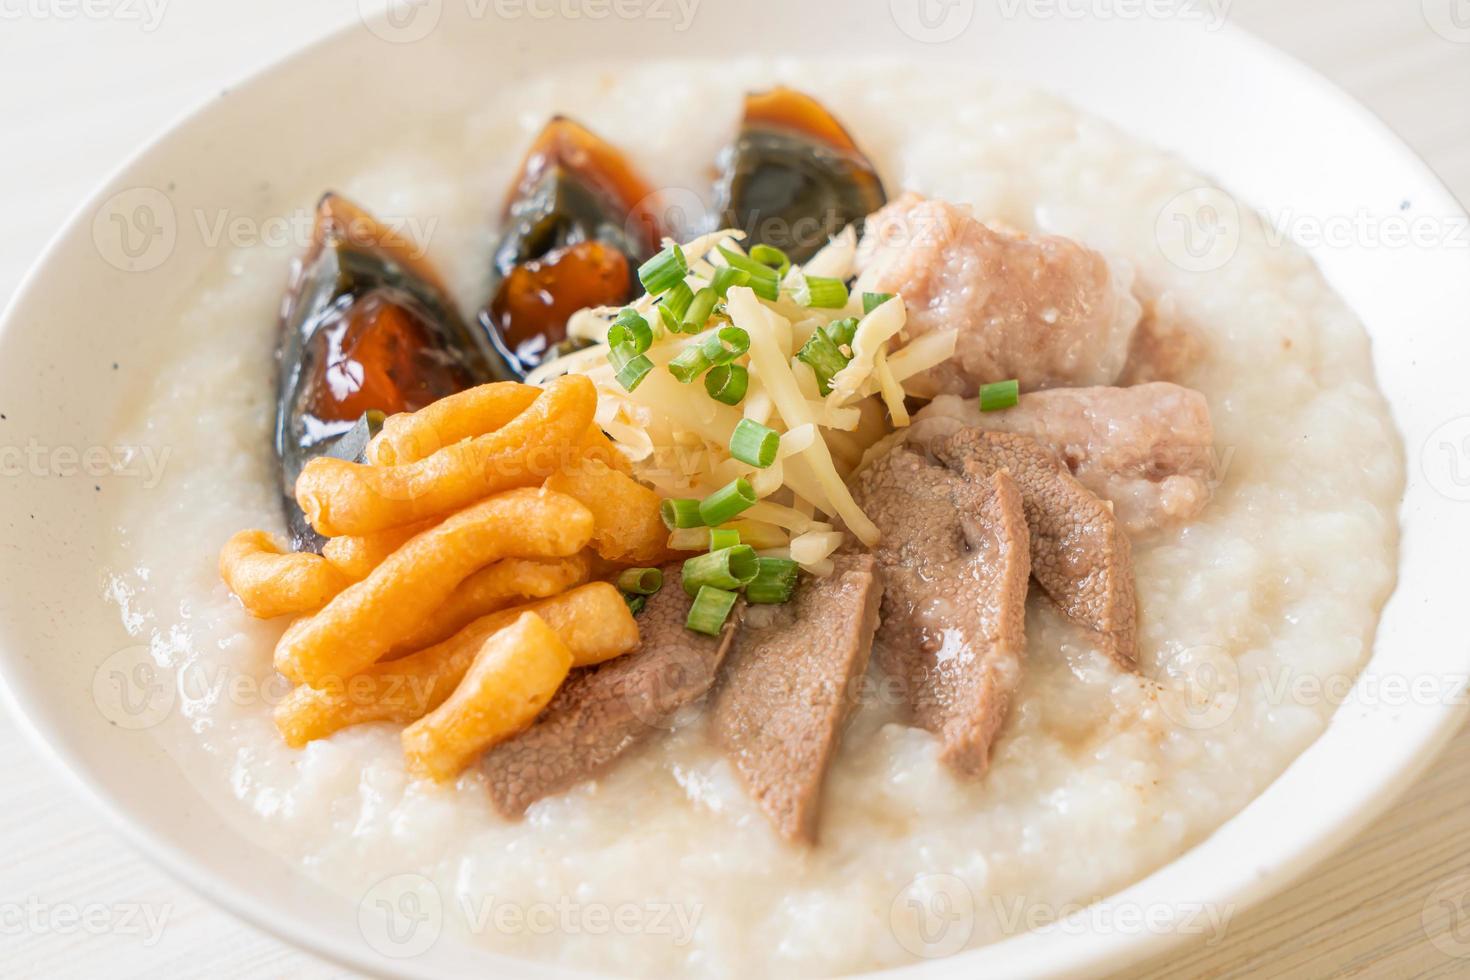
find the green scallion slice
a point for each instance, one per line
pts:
(727, 383)
(733, 498)
(710, 610)
(677, 300)
(630, 331)
(728, 568)
(700, 309)
(871, 301)
(671, 321)
(1001, 394)
(774, 582)
(727, 276)
(826, 294)
(690, 364)
(631, 371)
(635, 602)
(679, 512)
(763, 280)
(822, 356)
(773, 257)
(664, 271)
(725, 345)
(754, 443)
(721, 538)
(842, 331)
(641, 581)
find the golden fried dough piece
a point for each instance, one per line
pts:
(628, 528)
(410, 437)
(340, 497)
(513, 677)
(495, 587)
(356, 555)
(592, 621)
(370, 617)
(271, 582)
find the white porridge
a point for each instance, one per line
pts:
(1098, 777)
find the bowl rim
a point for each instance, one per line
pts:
(1100, 951)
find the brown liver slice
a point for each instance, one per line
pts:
(1047, 311)
(1079, 553)
(603, 711)
(956, 564)
(788, 688)
(1148, 449)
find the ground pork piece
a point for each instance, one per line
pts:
(1149, 449)
(955, 561)
(1046, 311)
(787, 689)
(1079, 554)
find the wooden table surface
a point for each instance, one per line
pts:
(80, 85)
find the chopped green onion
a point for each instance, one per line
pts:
(700, 309)
(725, 344)
(773, 257)
(727, 276)
(774, 582)
(722, 505)
(710, 610)
(1001, 394)
(635, 602)
(664, 271)
(826, 294)
(754, 443)
(728, 568)
(680, 512)
(763, 280)
(641, 581)
(690, 364)
(630, 330)
(822, 356)
(871, 301)
(671, 321)
(721, 538)
(677, 300)
(631, 371)
(727, 383)
(842, 331)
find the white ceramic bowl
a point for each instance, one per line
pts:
(1271, 131)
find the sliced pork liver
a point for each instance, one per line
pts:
(788, 688)
(1046, 311)
(955, 561)
(1148, 449)
(1079, 554)
(601, 712)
